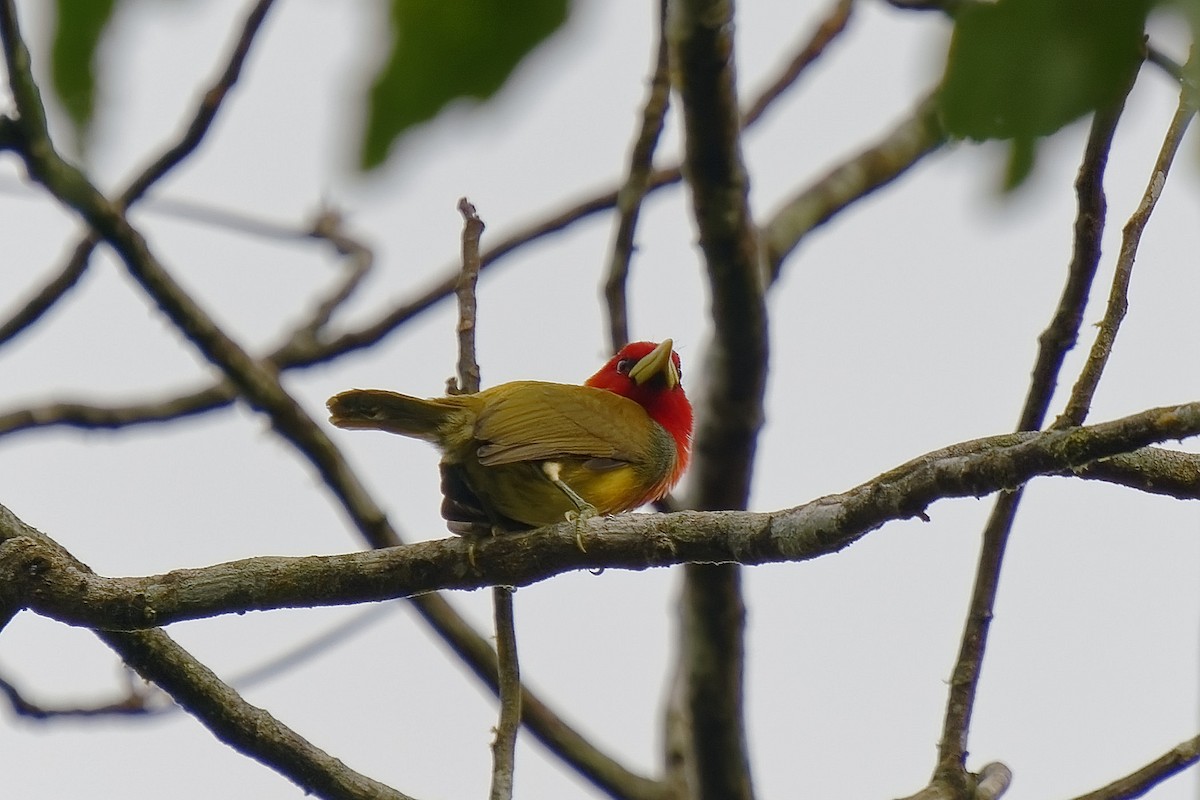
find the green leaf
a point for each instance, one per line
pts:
(444, 50)
(1020, 69)
(79, 25)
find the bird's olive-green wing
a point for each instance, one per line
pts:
(534, 421)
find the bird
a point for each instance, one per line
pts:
(525, 454)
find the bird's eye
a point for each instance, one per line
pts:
(624, 365)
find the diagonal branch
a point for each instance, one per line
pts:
(1138, 782)
(1054, 343)
(912, 139)
(1118, 299)
(36, 306)
(193, 686)
(258, 383)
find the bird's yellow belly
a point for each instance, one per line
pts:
(522, 492)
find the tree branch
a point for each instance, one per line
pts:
(193, 686)
(633, 191)
(30, 311)
(1053, 344)
(730, 408)
(244, 727)
(1137, 783)
(1118, 299)
(858, 176)
(258, 382)
(46, 580)
(508, 671)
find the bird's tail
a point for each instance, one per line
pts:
(377, 409)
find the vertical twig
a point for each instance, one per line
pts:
(1118, 298)
(633, 192)
(468, 367)
(508, 668)
(1054, 343)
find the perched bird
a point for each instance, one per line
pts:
(529, 453)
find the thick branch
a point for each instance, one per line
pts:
(45, 580)
(258, 382)
(245, 727)
(194, 687)
(730, 407)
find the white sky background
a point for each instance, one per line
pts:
(908, 324)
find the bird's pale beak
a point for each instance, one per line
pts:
(658, 361)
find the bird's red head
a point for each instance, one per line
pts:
(648, 373)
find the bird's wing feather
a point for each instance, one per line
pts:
(545, 421)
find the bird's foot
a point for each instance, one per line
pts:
(580, 518)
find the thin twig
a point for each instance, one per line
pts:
(508, 669)
(468, 365)
(504, 746)
(633, 192)
(330, 227)
(1141, 781)
(913, 138)
(32, 309)
(1118, 299)
(134, 703)
(1059, 336)
(830, 28)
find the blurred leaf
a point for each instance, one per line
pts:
(449, 49)
(1020, 69)
(79, 25)
(1022, 156)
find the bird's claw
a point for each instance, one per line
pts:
(580, 518)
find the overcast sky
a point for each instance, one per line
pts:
(908, 324)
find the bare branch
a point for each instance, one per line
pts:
(190, 684)
(1062, 333)
(633, 192)
(32, 309)
(508, 670)
(1055, 341)
(1137, 783)
(730, 409)
(134, 703)
(468, 366)
(878, 165)
(45, 580)
(231, 719)
(829, 29)
(1085, 387)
